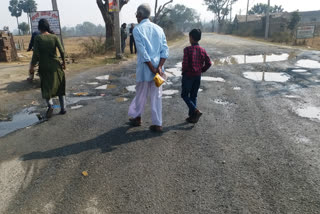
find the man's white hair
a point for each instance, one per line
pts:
(144, 10)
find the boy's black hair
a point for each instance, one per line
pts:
(195, 34)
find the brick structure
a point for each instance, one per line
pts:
(8, 51)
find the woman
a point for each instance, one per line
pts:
(51, 72)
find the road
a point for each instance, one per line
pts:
(256, 148)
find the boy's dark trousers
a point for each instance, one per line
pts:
(190, 87)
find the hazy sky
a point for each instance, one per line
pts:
(73, 12)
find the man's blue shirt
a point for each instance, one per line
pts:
(151, 46)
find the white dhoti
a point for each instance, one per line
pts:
(143, 90)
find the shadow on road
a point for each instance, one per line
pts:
(24, 85)
(106, 142)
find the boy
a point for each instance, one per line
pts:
(195, 62)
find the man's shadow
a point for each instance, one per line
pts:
(23, 85)
(106, 142)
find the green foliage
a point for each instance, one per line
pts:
(180, 17)
(262, 9)
(15, 8)
(294, 21)
(84, 29)
(95, 46)
(281, 37)
(24, 27)
(221, 8)
(29, 6)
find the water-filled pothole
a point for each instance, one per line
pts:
(310, 112)
(212, 79)
(267, 76)
(248, 59)
(104, 87)
(23, 119)
(307, 63)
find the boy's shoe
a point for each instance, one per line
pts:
(155, 128)
(196, 116)
(62, 111)
(135, 121)
(189, 119)
(49, 112)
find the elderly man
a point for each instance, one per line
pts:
(152, 52)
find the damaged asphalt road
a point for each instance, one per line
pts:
(256, 149)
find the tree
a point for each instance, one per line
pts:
(29, 6)
(15, 8)
(221, 8)
(109, 19)
(159, 12)
(184, 18)
(294, 21)
(24, 27)
(262, 9)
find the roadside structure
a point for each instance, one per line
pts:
(8, 51)
(254, 26)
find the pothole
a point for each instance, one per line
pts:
(310, 112)
(104, 87)
(170, 92)
(307, 63)
(267, 76)
(248, 59)
(104, 77)
(20, 120)
(212, 79)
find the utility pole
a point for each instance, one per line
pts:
(54, 5)
(266, 35)
(247, 11)
(230, 12)
(117, 34)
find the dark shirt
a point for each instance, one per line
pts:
(195, 60)
(131, 32)
(34, 34)
(123, 34)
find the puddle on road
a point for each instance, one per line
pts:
(310, 112)
(104, 87)
(105, 77)
(220, 102)
(121, 99)
(212, 79)
(307, 63)
(167, 97)
(246, 59)
(236, 88)
(81, 94)
(170, 92)
(92, 83)
(74, 100)
(20, 120)
(267, 76)
(292, 96)
(299, 70)
(131, 88)
(76, 107)
(173, 72)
